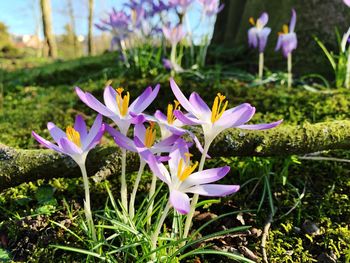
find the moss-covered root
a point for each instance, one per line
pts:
(283, 140)
(18, 166)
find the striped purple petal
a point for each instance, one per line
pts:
(180, 201)
(293, 21)
(263, 36)
(70, 148)
(199, 103)
(80, 126)
(262, 126)
(206, 176)
(55, 132)
(144, 100)
(46, 143)
(186, 119)
(213, 189)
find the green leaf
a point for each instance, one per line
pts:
(4, 255)
(79, 250)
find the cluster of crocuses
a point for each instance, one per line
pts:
(141, 19)
(287, 40)
(181, 175)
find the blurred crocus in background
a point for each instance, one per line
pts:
(118, 24)
(257, 37)
(287, 41)
(347, 2)
(174, 35)
(211, 7)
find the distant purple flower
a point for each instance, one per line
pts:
(258, 34)
(172, 66)
(211, 7)
(347, 2)
(287, 39)
(117, 105)
(118, 24)
(181, 178)
(173, 34)
(183, 4)
(75, 142)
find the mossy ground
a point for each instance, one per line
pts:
(32, 97)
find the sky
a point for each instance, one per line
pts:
(23, 16)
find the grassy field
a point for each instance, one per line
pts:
(311, 198)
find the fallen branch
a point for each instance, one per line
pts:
(18, 166)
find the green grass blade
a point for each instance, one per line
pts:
(79, 250)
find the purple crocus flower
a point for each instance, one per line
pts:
(287, 39)
(146, 136)
(174, 34)
(258, 34)
(172, 66)
(183, 4)
(117, 105)
(118, 24)
(181, 178)
(217, 119)
(75, 142)
(211, 7)
(347, 2)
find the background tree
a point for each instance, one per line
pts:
(45, 6)
(73, 35)
(90, 36)
(314, 18)
(7, 49)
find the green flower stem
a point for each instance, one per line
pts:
(261, 65)
(152, 190)
(124, 189)
(195, 196)
(173, 54)
(156, 232)
(289, 67)
(134, 190)
(125, 55)
(87, 206)
(347, 77)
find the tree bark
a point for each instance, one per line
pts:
(18, 166)
(90, 35)
(72, 23)
(47, 28)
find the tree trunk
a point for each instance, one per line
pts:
(72, 23)
(19, 166)
(314, 18)
(47, 28)
(90, 35)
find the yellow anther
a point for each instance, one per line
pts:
(185, 169)
(150, 135)
(252, 21)
(120, 90)
(188, 157)
(122, 102)
(217, 109)
(73, 136)
(170, 111)
(285, 29)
